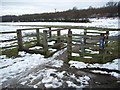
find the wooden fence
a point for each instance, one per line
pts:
(98, 42)
(9, 40)
(43, 41)
(93, 40)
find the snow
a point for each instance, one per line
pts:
(84, 81)
(117, 75)
(71, 84)
(75, 54)
(51, 43)
(24, 69)
(51, 49)
(13, 26)
(17, 67)
(51, 82)
(98, 71)
(11, 67)
(102, 22)
(23, 83)
(57, 63)
(36, 47)
(61, 74)
(87, 57)
(77, 64)
(110, 65)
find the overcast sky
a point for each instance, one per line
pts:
(19, 7)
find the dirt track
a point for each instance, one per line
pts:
(96, 80)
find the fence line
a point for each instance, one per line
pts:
(46, 37)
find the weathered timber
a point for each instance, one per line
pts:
(9, 47)
(50, 34)
(59, 40)
(56, 45)
(57, 29)
(38, 36)
(69, 46)
(34, 51)
(45, 43)
(107, 36)
(30, 42)
(8, 32)
(30, 28)
(20, 42)
(8, 40)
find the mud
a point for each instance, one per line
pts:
(96, 80)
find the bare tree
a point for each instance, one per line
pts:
(75, 8)
(111, 3)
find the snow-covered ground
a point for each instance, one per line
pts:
(17, 67)
(110, 65)
(102, 22)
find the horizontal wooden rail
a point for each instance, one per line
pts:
(8, 32)
(55, 37)
(96, 47)
(9, 47)
(31, 28)
(57, 44)
(29, 41)
(87, 36)
(82, 27)
(29, 36)
(8, 40)
(34, 51)
(57, 29)
(96, 32)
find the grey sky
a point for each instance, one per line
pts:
(19, 7)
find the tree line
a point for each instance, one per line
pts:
(72, 15)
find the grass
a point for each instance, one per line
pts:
(106, 56)
(101, 58)
(10, 52)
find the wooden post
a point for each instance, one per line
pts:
(85, 33)
(58, 39)
(19, 38)
(102, 40)
(84, 43)
(50, 34)
(69, 44)
(106, 41)
(102, 50)
(45, 43)
(38, 37)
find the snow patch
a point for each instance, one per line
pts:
(77, 64)
(51, 43)
(87, 57)
(75, 54)
(36, 47)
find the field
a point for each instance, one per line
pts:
(35, 71)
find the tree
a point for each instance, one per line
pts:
(75, 8)
(90, 7)
(111, 3)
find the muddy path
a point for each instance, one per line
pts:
(97, 80)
